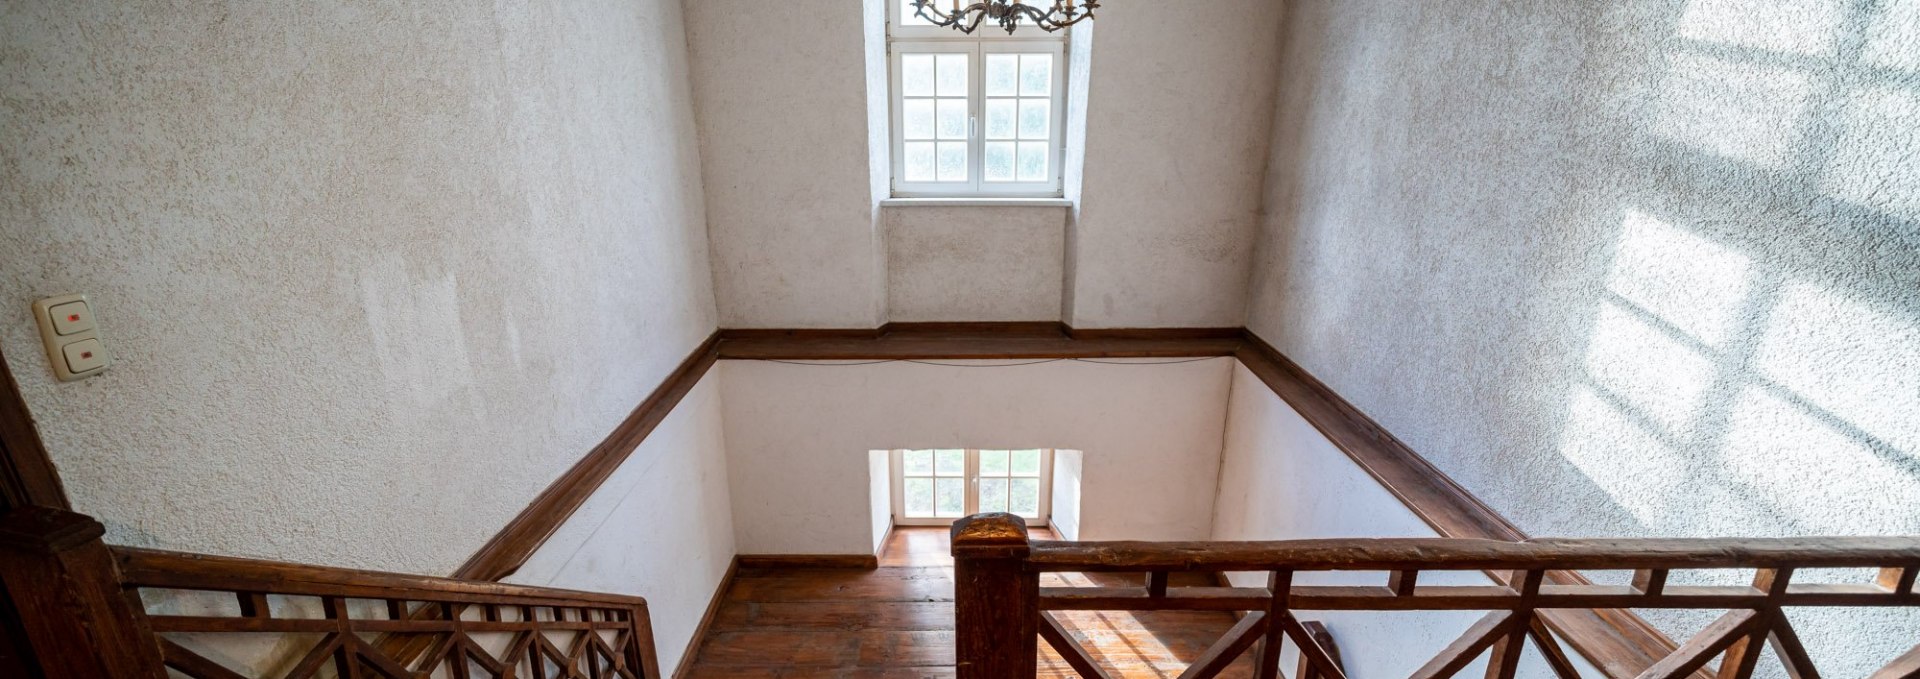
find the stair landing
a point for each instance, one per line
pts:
(896, 622)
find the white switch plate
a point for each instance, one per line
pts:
(73, 339)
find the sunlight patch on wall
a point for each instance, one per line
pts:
(1745, 112)
(1626, 461)
(1857, 363)
(1876, 160)
(1662, 379)
(1789, 26)
(1686, 280)
(1894, 40)
(1826, 481)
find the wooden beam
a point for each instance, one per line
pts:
(1549, 645)
(1698, 651)
(1316, 648)
(1457, 655)
(1062, 642)
(1242, 636)
(1786, 644)
(1907, 666)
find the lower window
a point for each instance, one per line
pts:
(936, 486)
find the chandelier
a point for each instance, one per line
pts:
(1007, 13)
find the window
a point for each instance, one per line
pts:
(934, 487)
(975, 115)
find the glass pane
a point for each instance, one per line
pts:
(953, 161)
(1023, 497)
(916, 75)
(1036, 75)
(953, 119)
(950, 462)
(1026, 463)
(1033, 161)
(953, 75)
(1000, 161)
(916, 119)
(909, 16)
(993, 463)
(993, 495)
(950, 497)
(919, 500)
(1001, 114)
(917, 462)
(1002, 74)
(1034, 118)
(919, 161)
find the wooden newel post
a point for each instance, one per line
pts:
(63, 584)
(996, 599)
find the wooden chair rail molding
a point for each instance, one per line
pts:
(470, 629)
(1001, 610)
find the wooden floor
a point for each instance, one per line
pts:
(896, 622)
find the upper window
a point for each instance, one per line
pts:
(975, 115)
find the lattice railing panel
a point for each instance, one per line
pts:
(1531, 581)
(219, 618)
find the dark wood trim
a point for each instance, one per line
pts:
(706, 620)
(1618, 642)
(27, 475)
(1439, 501)
(513, 545)
(850, 561)
(984, 341)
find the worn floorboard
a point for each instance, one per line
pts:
(896, 622)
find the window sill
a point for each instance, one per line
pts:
(975, 202)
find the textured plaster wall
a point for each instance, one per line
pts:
(1178, 110)
(974, 263)
(1281, 480)
(783, 120)
(798, 437)
(1179, 104)
(1648, 267)
(661, 527)
(373, 275)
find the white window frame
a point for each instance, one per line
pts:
(897, 480)
(987, 40)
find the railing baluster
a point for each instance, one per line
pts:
(1899, 579)
(1403, 582)
(1280, 589)
(1651, 582)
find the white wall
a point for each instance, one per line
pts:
(1636, 268)
(879, 496)
(1178, 110)
(974, 263)
(798, 437)
(1281, 480)
(1069, 468)
(661, 527)
(783, 115)
(373, 275)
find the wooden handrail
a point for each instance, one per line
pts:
(425, 624)
(1429, 554)
(999, 603)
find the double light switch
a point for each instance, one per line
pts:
(71, 336)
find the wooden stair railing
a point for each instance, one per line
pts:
(336, 619)
(1001, 611)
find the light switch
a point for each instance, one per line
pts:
(85, 356)
(71, 336)
(71, 318)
